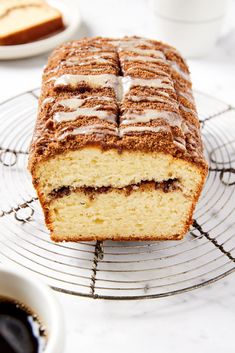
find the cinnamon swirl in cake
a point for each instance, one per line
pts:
(117, 151)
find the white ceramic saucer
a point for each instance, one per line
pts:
(72, 20)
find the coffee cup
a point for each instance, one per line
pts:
(192, 26)
(22, 287)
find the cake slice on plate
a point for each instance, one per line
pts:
(23, 21)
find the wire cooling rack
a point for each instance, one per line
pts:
(119, 270)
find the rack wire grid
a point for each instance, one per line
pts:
(119, 270)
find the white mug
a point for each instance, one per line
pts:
(192, 26)
(21, 286)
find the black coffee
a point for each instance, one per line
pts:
(20, 329)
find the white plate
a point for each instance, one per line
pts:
(72, 21)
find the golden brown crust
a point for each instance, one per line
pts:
(78, 238)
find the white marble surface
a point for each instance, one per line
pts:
(199, 321)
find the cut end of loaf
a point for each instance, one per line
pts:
(115, 214)
(96, 195)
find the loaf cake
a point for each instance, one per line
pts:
(117, 152)
(23, 21)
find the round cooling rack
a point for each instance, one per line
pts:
(119, 270)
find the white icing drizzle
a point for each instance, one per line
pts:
(87, 56)
(131, 129)
(178, 69)
(71, 103)
(129, 82)
(131, 43)
(84, 61)
(47, 101)
(154, 99)
(146, 55)
(122, 87)
(142, 58)
(192, 142)
(174, 65)
(105, 80)
(129, 46)
(96, 81)
(143, 52)
(60, 117)
(163, 93)
(88, 60)
(148, 69)
(147, 115)
(120, 132)
(91, 50)
(187, 95)
(171, 50)
(76, 102)
(187, 110)
(187, 127)
(93, 69)
(180, 145)
(52, 70)
(90, 129)
(50, 79)
(56, 69)
(103, 130)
